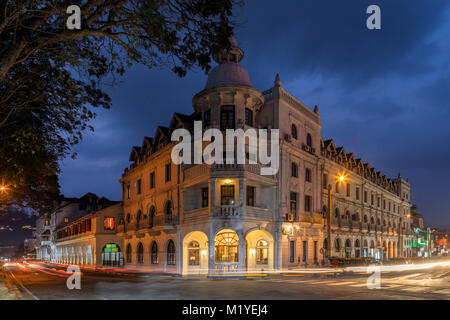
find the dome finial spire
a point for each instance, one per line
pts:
(234, 54)
(277, 81)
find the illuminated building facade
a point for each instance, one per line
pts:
(229, 217)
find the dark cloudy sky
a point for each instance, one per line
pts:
(384, 94)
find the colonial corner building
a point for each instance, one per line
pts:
(229, 218)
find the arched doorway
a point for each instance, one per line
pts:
(348, 248)
(260, 250)
(111, 255)
(357, 249)
(195, 253)
(365, 248)
(226, 251)
(140, 253)
(337, 246)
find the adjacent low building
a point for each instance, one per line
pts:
(68, 211)
(91, 239)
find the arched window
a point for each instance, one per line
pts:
(348, 248)
(139, 216)
(128, 218)
(307, 175)
(294, 131)
(384, 223)
(336, 213)
(308, 140)
(378, 221)
(154, 253)
(171, 253)
(372, 220)
(129, 253)
(366, 219)
(262, 252)
(168, 212)
(151, 216)
(347, 215)
(140, 253)
(194, 253)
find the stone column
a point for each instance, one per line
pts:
(242, 253)
(211, 248)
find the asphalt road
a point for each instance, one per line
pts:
(48, 283)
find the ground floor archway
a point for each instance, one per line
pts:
(259, 250)
(195, 253)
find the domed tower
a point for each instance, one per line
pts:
(228, 101)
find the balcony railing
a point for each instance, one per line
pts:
(226, 211)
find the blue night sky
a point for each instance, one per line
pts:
(383, 94)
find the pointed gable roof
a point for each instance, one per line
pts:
(135, 153)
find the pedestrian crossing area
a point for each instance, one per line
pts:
(388, 284)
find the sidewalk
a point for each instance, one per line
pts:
(5, 292)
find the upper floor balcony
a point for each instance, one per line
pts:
(157, 223)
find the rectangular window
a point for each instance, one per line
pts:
(365, 196)
(227, 195)
(66, 219)
(293, 203)
(384, 204)
(372, 202)
(389, 206)
(152, 180)
(248, 117)
(128, 192)
(307, 203)
(325, 181)
(109, 223)
(227, 118)
(348, 189)
(250, 196)
(204, 197)
(294, 170)
(168, 167)
(338, 189)
(206, 118)
(138, 186)
(357, 193)
(378, 202)
(305, 251)
(292, 251)
(88, 225)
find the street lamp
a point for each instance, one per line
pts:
(340, 179)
